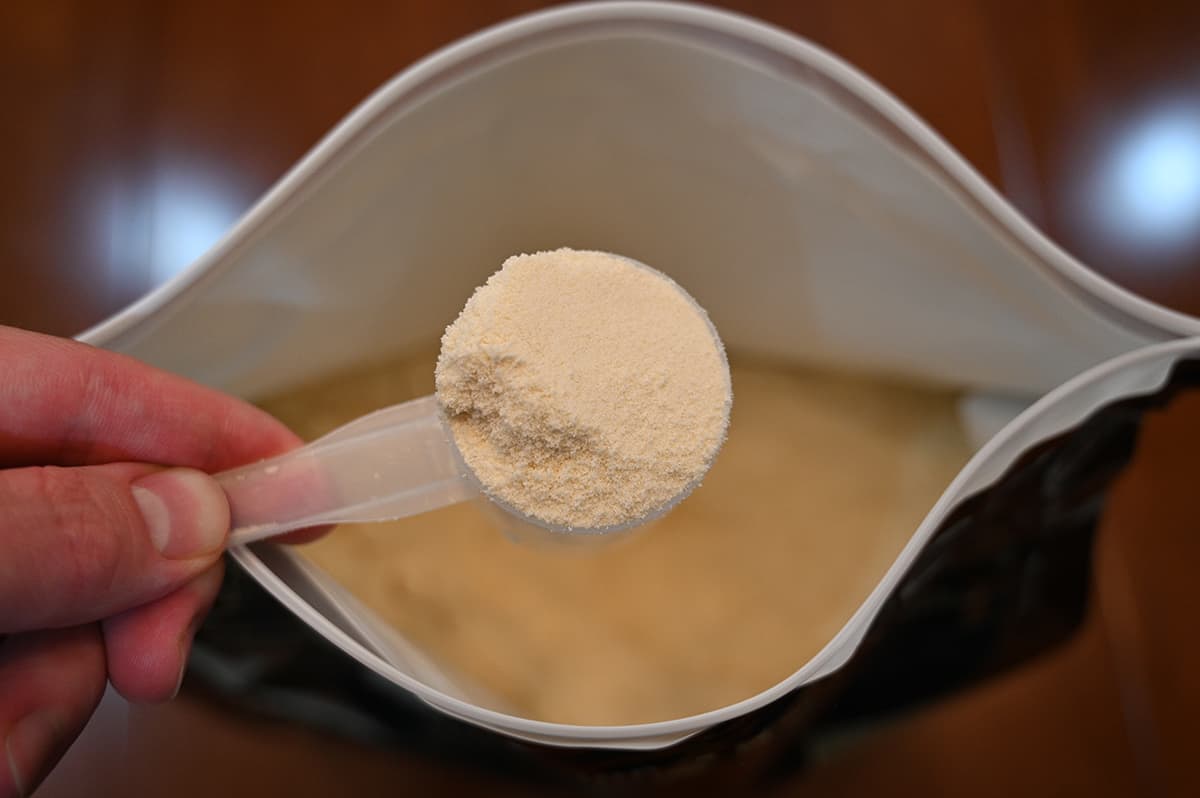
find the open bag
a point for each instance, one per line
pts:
(815, 218)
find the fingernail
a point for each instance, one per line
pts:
(179, 678)
(32, 748)
(185, 511)
(206, 586)
(185, 647)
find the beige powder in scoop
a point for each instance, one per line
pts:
(584, 390)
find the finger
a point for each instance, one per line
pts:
(146, 647)
(50, 683)
(67, 403)
(80, 544)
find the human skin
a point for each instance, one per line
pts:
(111, 533)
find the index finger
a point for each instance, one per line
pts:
(67, 403)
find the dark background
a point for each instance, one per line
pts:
(135, 131)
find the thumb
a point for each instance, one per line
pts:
(81, 544)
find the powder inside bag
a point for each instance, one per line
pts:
(820, 485)
(583, 389)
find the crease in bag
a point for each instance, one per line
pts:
(815, 218)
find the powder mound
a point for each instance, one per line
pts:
(584, 389)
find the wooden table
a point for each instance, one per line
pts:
(123, 119)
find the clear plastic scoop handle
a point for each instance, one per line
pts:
(390, 464)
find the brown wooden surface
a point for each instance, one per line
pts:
(117, 112)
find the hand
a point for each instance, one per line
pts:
(111, 533)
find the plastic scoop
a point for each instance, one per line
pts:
(387, 465)
(390, 464)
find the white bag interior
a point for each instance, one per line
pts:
(806, 229)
